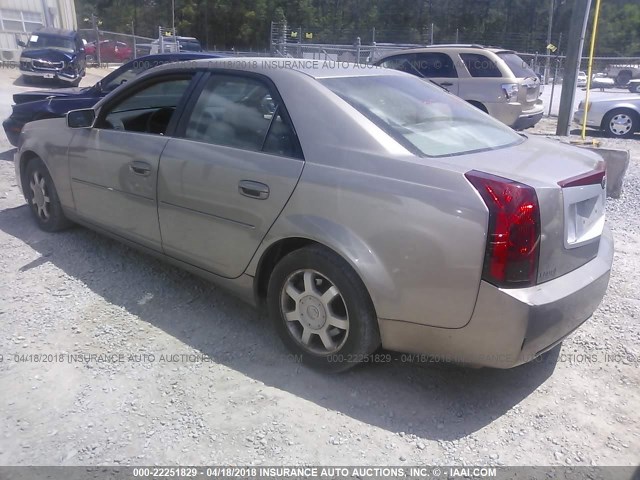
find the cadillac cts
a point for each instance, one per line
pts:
(361, 207)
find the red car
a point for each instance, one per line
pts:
(110, 51)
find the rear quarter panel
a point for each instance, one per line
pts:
(413, 229)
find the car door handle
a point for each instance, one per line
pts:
(140, 168)
(252, 189)
(446, 84)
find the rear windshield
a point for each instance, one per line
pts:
(517, 65)
(421, 116)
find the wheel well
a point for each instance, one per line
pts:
(24, 161)
(478, 105)
(630, 111)
(270, 259)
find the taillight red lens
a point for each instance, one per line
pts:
(513, 237)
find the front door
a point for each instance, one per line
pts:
(114, 166)
(224, 183)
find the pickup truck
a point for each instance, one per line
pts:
(623, 74)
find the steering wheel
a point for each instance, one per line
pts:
(158, 121)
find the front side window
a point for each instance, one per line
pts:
(241, 112)
(480, 65)
(148, 110)
(422, 117)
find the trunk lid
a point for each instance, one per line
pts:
(571, 191)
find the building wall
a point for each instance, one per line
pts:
(18, 18)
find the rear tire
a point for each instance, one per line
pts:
(42, 197)
(621, 123)
(624, 78)
(322, 310)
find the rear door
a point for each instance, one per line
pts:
(222, 185)
(440, 68)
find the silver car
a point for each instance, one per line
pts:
(362, 207)
(495, 80)
(617, 117)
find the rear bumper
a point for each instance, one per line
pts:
(511, 327)
(527, 121)
(511, 114)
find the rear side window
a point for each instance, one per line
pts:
(480, 65)
(517, 65)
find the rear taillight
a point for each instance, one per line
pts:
(513, 237)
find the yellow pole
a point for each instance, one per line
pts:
(590, 68)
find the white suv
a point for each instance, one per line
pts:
(495, 80)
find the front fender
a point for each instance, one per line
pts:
(49, 140)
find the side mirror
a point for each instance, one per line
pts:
(81, 118)
(21, 43)
(81, 50)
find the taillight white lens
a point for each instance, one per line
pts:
(513, 237)
(510, 91)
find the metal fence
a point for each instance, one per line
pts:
(115, 47)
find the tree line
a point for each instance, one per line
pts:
(245, 24)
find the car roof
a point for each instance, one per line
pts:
(463, 48)
(59, 32)
(313, 68)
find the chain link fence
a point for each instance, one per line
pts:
(114, 47)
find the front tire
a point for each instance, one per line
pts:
(621, 123)
(321, 310)
(42, 197)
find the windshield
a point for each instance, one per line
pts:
(50, 41)
(421, 116)
(517, 65)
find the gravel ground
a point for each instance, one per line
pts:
(155, 401)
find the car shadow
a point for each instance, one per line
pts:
(37, 83)
(600, 134)
(431, 400)
(8, 155)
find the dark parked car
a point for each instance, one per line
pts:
(40, 104)
(53, 54)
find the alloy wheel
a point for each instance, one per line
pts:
(40, 199)
(620, 124)
(315, 312)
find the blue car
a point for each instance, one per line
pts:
(41, 104)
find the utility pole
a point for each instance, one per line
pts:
(577, 29)
(94, 24)
(547, 68)
(173, 20)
